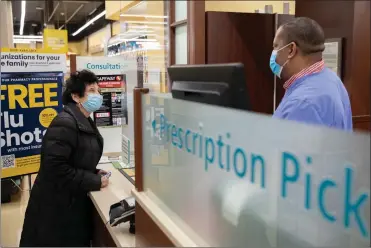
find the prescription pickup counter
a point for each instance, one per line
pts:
(235, 178)
(118, 189)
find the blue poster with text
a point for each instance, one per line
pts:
(29, 102)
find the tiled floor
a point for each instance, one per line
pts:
(12, 215)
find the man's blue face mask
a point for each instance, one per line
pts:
(275, 67)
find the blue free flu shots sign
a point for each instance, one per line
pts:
(29, 102)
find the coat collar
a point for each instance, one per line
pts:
(83, 123)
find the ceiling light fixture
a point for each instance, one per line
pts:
(23, 14)
(26, 41)
(92, 12)
(139, 31)
(145, 16)
(39, 8)
(89, 23)
(21, 41)
(71, 16)
(145, 22)
(146, 27)
(27, 36)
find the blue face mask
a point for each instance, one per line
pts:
(93, 103)
(275, 67)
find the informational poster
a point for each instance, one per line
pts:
(105, 68)
(103, 117)
(127, 152)
(112, 113)
(32, 60)
(56, 40)
(29, 103)
(112, 81)
(332, 55)
(31, 96)
(119, 115)
(141, 74)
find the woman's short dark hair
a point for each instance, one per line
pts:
(77, 83)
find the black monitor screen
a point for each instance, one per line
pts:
(219, 84)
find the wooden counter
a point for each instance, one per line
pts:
(118, 189)
(169, 225)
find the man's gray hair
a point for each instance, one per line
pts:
(306, 33)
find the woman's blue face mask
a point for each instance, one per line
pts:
(275, 67)
(93, 103)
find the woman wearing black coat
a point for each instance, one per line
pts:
(59, 210)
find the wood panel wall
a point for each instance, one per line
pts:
(101, 235)
(195, 31)
(360, 78)
(148, 234)
(350, 20)
(280, 91)
(72, 63)
(246, 38)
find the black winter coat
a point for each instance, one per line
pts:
(59, 210)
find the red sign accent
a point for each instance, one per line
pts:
(111, 84)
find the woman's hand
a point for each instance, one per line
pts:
(104, 181)
(102, 172)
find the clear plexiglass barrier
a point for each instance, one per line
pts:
(234, 178)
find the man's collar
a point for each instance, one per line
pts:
(316, 67)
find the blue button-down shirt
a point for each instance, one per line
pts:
(318, 98)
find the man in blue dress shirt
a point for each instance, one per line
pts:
(314, 94)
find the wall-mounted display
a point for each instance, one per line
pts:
(112, 113)
(332, 55)
(112, 81)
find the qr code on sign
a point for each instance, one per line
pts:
(8, 161)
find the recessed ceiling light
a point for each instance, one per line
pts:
(145, 22)
(39, 8)
(23, 14)
(89, 23)
(34, 25)
(27, 37)
(62, 14)
(145, 16)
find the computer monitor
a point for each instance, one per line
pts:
(216, 84)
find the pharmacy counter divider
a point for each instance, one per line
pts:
(213, 176)
(118, 189)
